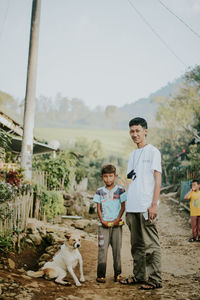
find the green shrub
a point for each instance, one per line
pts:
(5, 243)
(51, 203)
(7, 191)
(58, 170)
(5, 140)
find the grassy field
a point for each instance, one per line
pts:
(113, 141)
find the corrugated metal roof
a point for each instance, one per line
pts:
(16, 131)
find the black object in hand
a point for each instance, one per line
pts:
(131, 175)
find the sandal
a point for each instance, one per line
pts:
(131, 281)
(150, 285)
(118, 278)
(100, 280)
(191, 240)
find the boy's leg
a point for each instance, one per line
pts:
(194, 226)
(137, 245)
(116, 243)
(103, 243)
(198, 226)
(153, 251)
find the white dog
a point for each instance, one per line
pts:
(65, 260)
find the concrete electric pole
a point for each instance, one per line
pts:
(29, 108)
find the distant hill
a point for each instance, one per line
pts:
(146, 107)
(73, 113)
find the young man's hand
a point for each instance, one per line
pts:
(152, 211)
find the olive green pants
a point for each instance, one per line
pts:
(145, 247)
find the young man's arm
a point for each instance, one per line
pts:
(104, 223)
(152, 210)
(116, 221)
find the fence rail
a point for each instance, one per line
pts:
(14, 214)
(8, 166)
(40, 178)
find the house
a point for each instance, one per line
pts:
(15, 130)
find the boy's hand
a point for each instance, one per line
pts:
(104, 223)
(116, 222)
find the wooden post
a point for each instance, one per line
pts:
(29, 109)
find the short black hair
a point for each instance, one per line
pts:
(195, 180)
(138, 121)
(108, 169)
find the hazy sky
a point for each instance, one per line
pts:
(98, 50)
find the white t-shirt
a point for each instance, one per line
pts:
(140, 192)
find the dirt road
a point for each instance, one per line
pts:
(180, 261)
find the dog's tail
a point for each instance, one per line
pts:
(37, 274)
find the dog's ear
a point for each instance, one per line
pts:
(68, 235)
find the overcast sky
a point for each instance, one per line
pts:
(98, 50)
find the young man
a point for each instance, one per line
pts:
(144, 169)
(110, 201)
(194, 196)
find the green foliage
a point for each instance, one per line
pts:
(5, 242)
(80, 174)
(91, 158)
(193, 76)
(7, 191)
(193, 163)
(179, 117)
(51, 203)
(4, 142)
(58, 170)
(6, 212)
(11, 184)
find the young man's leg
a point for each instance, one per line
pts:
(137, 246)
(194, 226)
(103, 243)
(116, 243)
(153, 251)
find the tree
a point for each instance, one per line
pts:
(111, 114)
(6, 99)
(179, 117)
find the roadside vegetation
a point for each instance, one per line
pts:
(179, 120)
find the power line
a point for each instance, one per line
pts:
(4, 19)
(155, 32)
(181, 20)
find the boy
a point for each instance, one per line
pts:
(194, 196)
(144, 168)
(110, 201)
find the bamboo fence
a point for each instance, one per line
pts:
(14, 214)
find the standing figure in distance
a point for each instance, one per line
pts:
(194, 196)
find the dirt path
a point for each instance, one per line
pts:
(180, 260)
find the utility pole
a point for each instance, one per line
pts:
(29, 108)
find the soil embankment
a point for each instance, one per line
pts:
(180, 260)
